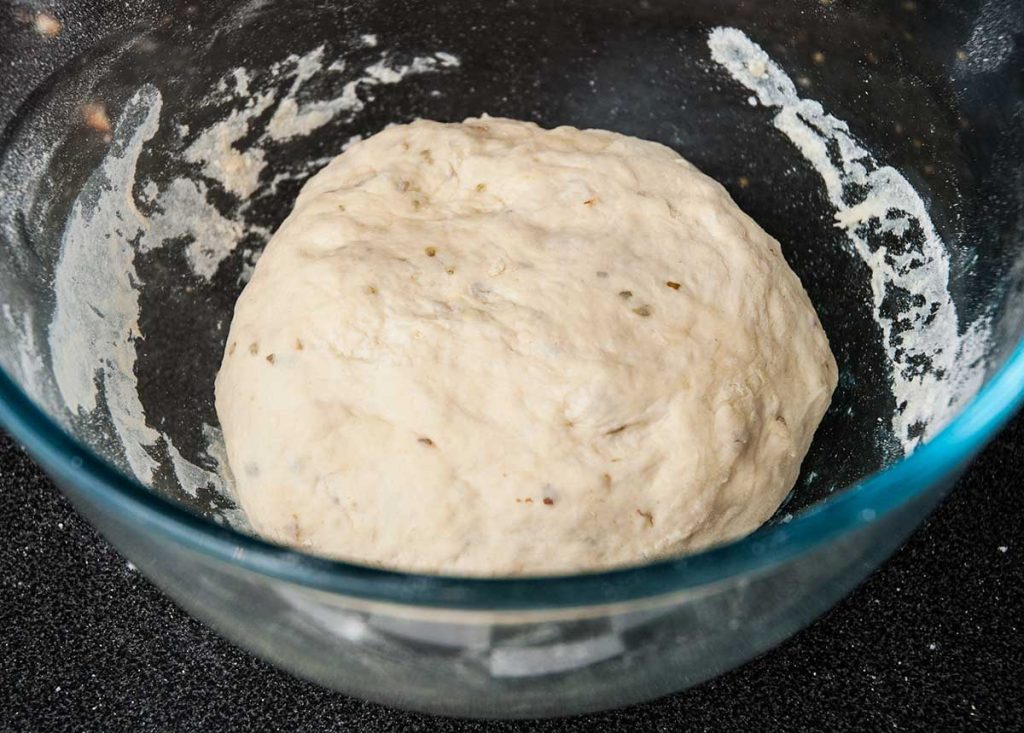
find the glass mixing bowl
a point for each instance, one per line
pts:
(149, 149)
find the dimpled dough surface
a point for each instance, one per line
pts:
(492, 349)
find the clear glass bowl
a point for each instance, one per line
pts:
(148, 151)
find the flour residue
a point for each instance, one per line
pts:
(96, 320)
(225, 160)
(95, 328)
(992, 40)
(217, 452)
(212, 235)
(292, 118)
(215, 149)
(191, 477)
(29, 367)
(935, 367)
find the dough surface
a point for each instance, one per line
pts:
(492, 349)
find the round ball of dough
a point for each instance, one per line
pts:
(492, 349)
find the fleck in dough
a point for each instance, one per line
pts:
(492, 349)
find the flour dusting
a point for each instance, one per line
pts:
(218, 453)
(991, 43)
(213, 236)
(96, 320)
(292, 119)
(30, 367)
(191, 477)
(935, 368)
(237, 170)
(223, 160)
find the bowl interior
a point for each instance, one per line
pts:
(147, 158)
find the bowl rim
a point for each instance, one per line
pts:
(80, 471)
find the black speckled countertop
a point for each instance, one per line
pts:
(934, 638)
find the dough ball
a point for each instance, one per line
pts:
(492, 349)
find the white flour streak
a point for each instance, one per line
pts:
(225, 481)
(448, 60)
(304, 171)
(185, 212)
(241, 77)
(292, 119)
(150, 192)
(934, 368)
(191, 477)
(95, 325)
(237, 170)
(29, 367)
(217, 451)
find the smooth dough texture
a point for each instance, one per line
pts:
(492, 349)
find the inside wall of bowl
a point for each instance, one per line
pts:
(148, 157)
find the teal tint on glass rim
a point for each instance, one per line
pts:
(76, 466)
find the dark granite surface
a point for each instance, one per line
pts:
(934, 638)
